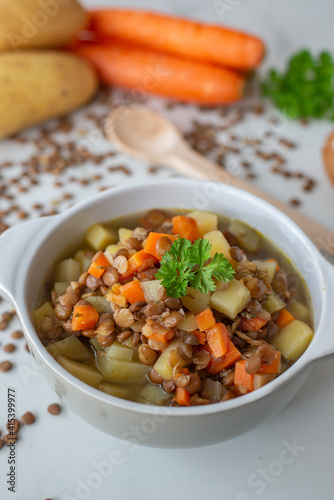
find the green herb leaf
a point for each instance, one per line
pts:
(190, 264)
(306, 88)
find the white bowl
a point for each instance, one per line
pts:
(29, 250)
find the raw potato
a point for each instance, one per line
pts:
(293, 339)
(85, 373)
(232, 300)
(44, 24)
(38, 85)
(71, 347)
(206, 222)
(99, 236)
(67, 270)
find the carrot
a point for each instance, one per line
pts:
(247, 324)
(133, 292)
(217, 337)
(205, 320)
(242, 378)
(146, 71)
(182, 396)
(98, 265)
(273, 367)
(229, 359)
(189, 39)
(284, 318)
(186, 227)
(201, 336)
(135, 262)
(162, 335)
(84, 317)
(150, 244)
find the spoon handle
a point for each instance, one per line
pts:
(192, 164)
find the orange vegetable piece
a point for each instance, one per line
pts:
(84, 317)
(248, 324)
(133, 292)
(229, 359)
(185, 38)
(218, 340)
(98, 265)
(121, 64)
(201, 336)
(205, 320)
(135, 262)
(242, 378)
(182, 396)
(186, 227)
(284, 318)
(150, 244)
(163, 335)
(273, 367)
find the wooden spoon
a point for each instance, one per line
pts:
(143, 133)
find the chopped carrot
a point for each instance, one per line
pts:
(182, 396)
(162, 335)
(115, 288)
(185, 38)
(273, 367)
(277, 265)
(135, 262)
(217, 337)
(248, 324)
(133, 292)
(205, 320)
(119, 64)
(186, 227)
(201, 336)
(151, 242)
(229, 359)
(242, 378)
(84, 317)
(98, 265)
(284, 318)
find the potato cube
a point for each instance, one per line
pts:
(114, 369)
(83, 259)
(219, 245)
(67, 270)
(188, 324)
(206, 222)
(150, 289)
(85, 373)
(274, 303)
(195, 300)
(70, 347)
(42, 312)
(267, 265)
(247, 237)
(232, 300)
(124, 234)
(293, 339)
(99, 236)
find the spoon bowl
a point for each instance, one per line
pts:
(142, 132)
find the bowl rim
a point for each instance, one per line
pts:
(149, 410)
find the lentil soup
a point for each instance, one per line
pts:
(175, 309)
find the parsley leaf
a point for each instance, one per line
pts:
(190, 264)
(306, 88)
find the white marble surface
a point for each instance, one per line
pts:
(56, 454)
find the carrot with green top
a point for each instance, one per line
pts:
(284, 318)
(182, 37)
(205, 320)
(99, 265)
(122, 65)
(133, 292)
(218, 340)
(186, 227)
(150, 246)
(182, 396)
(84, 317)
(242, 378)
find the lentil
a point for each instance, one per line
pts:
(54, 409)
(28, 418)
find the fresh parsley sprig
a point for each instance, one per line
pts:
(306, 88)
(190, 264)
